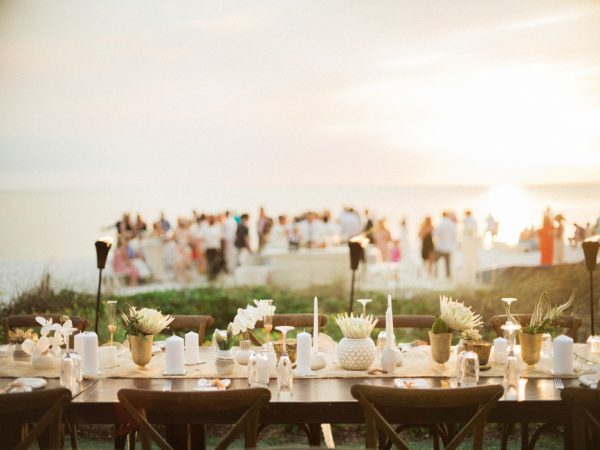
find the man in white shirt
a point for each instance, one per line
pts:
(350, 225)
(230, 254)
(311, 230)
(470, 248)
(213, 234)
(445, 240)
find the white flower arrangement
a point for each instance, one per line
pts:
(46, 343)
(145, 321)
(246, 319)
(358, 327)
(471, 335)
(456, 316)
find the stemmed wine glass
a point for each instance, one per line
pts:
(112, 318)
(364, 302)
(285, 379)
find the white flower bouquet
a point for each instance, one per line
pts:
(356, 327)
(46, 343)
(455, 316)
(145, 321)
(246, 319)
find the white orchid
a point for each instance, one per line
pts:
(145, 321)
(36, 348)
(264, 308)
(47, 325)
(457, 316)
(356, 327)
(244, 320)
(45, 343)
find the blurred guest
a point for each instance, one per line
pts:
(242, 237)
(295, 238)
(350, 225)
(491, 227)
(546, 239)
(124, 226)
(559, 239)
(122, 264)
(405, 253)
(427, 249)
(279, 236)
(164, 223)
(382, 238)
(368, 226)
(395, 251)
(445, 241)
(213, 235)
(311, 231)
(262, 228)
(229, 252)
(140, 225)
(331, 230)
(470, 247)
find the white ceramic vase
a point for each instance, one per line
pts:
(44, 361)
(243, 354)
(224, 363)
(356, 354)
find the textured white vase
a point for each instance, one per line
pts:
(356, 354)
(224, 362)
(243, 354)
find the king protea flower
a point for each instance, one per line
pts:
(457, 316)
(356, 327)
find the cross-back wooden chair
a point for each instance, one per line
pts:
(195, 323)
(146, 407)
(570, 324)
(426, 406)
(294, 320)
(43, 408)
(407, 321)
(584, 410)
(28, 321)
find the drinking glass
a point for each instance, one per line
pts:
(68, 373)
(285, 378)
(468, 369)
(112, 318)
(364, 302)
(546, 345)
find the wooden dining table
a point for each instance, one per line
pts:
(316, 401)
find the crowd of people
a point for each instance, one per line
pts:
(214, 243)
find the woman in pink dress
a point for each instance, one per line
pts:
(122, 265)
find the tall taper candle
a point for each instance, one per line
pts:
(389, 328)
(316, 325)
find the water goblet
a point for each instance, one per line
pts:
(112, 318)
(285, 378)
(468, 369)
(364, 302)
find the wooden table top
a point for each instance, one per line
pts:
(324, 400)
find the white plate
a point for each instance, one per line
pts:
(207, 385)
(589, 379)
(33, 383)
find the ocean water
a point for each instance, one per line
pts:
(56, 230)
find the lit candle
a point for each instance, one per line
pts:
(500, 349)
(174, 359)
(563, 355)
(316, 325)
(389, 327)
(303, 354)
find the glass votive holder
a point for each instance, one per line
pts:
(468, 373)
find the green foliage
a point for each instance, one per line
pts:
(439, 326)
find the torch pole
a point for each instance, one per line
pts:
(592, 301)
(351, 303)
(98, 301)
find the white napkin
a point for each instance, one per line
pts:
(212, 385)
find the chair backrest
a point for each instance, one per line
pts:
(192, 323)
(44, 408)
(584, 409)
(426, 406)
(294, 320)
(28, 321)
(407, 321)
(243, 405)
(570, 324)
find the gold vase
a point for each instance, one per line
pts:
(141, 349)
(441, 344)
(482, 349)
(531, 347)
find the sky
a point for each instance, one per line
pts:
(137, 94)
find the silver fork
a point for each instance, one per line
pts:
(168, 385)
(558, 384)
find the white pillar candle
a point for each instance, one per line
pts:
(192, 351)
(303, 353)
(90, 353)
(563, 355)
(174, 356)
(316, 325)
(500, 349)
(78, 344)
